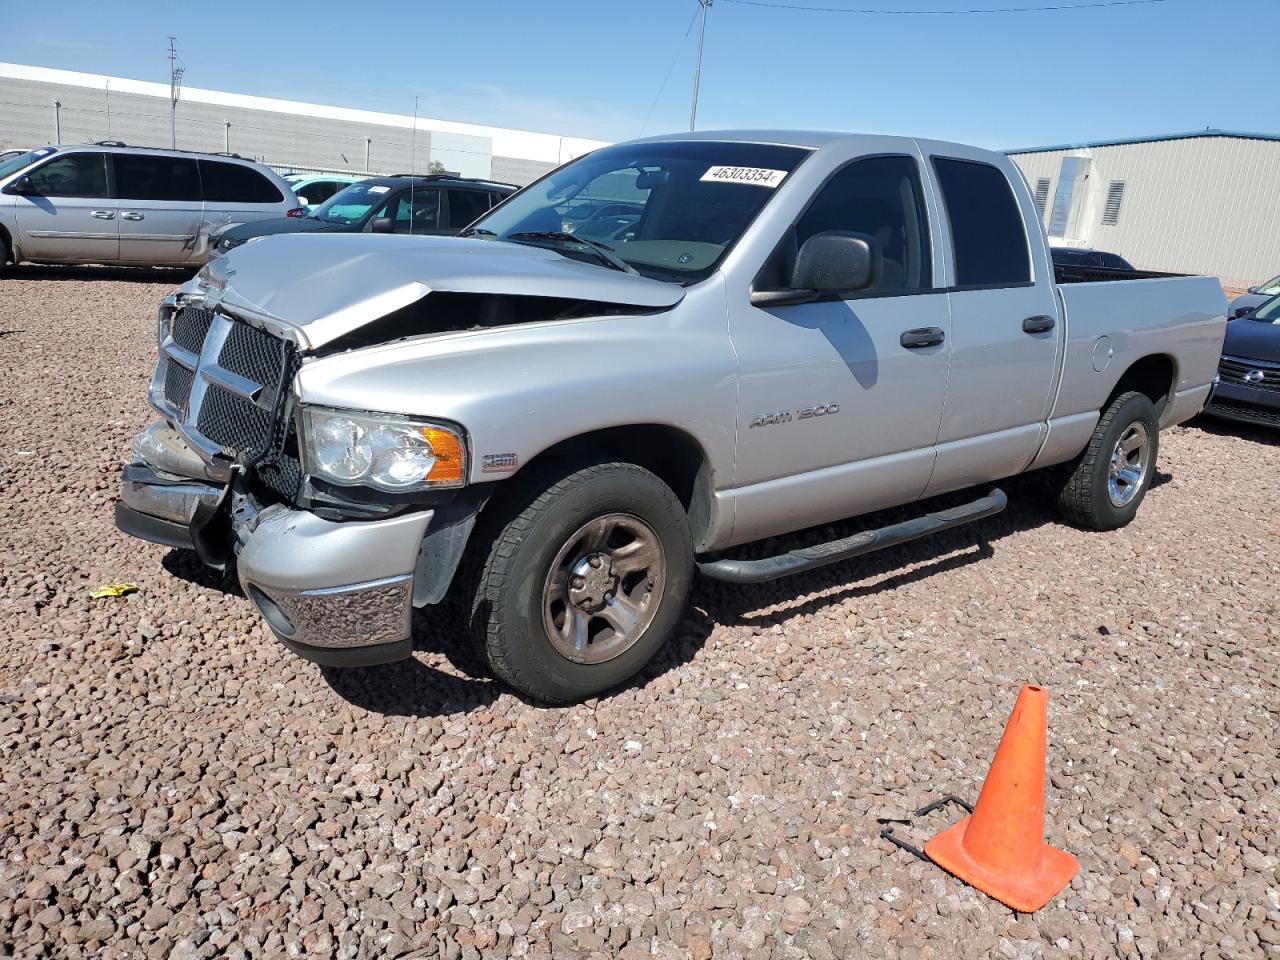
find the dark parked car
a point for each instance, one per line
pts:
(1076, 257)
(430, 205)
(1249, 372)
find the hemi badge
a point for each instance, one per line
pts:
(498, 462)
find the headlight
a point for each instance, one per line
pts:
(395, 454)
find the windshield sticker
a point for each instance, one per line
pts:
(756, 176)
(378, 189)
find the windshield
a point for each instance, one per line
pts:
(1270, 288)
(1269, 312)
(11, 166)
(352, 204)
(670, 210)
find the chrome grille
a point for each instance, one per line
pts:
(223, 383)
(1259, 374)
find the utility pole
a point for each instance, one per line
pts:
(108, 109)
(697, 71)
(175, 88)
(57, 120)
(368, 141)
(226, 129)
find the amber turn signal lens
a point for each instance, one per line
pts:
(446, 447)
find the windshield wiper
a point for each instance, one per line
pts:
(477, 232)
(602, 250)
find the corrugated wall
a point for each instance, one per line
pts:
(273, 135)
(1206, 205)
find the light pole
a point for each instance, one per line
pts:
(697, 70)
(226, 130)
(175, 89)
(368, 141)
(57, 120)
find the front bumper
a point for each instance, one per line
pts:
(1233, 401)
(339, 593)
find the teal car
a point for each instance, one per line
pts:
(313, 189)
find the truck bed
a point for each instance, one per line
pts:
(1072, 274)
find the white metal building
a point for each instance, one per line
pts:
(1206, 202)
(39, 105)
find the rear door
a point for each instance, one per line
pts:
(66, 213)
(1005, 334)
(159, 207)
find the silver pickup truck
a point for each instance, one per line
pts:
(657, 352)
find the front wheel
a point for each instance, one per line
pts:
(1113, 474)
(584, 582)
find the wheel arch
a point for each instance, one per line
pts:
(7, 239)
(1153, 375)
(672, 454)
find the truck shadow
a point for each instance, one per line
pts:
(412, 688)
(761, 606)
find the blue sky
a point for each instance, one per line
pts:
(596, 68)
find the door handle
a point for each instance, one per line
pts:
(922, 337)
(132, 216)
(103, 214)
(1038, 324)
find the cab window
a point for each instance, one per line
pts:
(880, 197)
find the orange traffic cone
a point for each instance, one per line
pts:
(1000, 849)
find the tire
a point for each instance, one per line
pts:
(5, 252)
(1087, 498)
(540, 559)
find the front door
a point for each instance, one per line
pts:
(838, 408)
(159, 207)
(65, 214)
(1005, 334)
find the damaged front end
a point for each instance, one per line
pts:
(333, 561)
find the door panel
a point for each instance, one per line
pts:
(876, 450)
(68, 216)
(160, 209)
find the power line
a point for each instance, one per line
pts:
(1093, 4)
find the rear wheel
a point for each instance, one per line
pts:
(1108, 482)
(5, 252)
(584, 581)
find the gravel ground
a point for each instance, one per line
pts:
(172, 783)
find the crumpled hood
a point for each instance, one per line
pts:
(328, 285)
(1254, 339)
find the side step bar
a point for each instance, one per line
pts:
(809, 558)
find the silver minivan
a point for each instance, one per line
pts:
(110, 203)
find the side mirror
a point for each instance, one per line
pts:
(836, 261)
(384, 225)
(1252, 290)
(303, 201)
(1242, 311)
(21, 186)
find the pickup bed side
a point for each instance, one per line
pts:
(1162, 334)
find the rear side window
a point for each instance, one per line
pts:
(466, 206)
(148, 177)
(987, 231)
(71, 175)
(235, 183)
